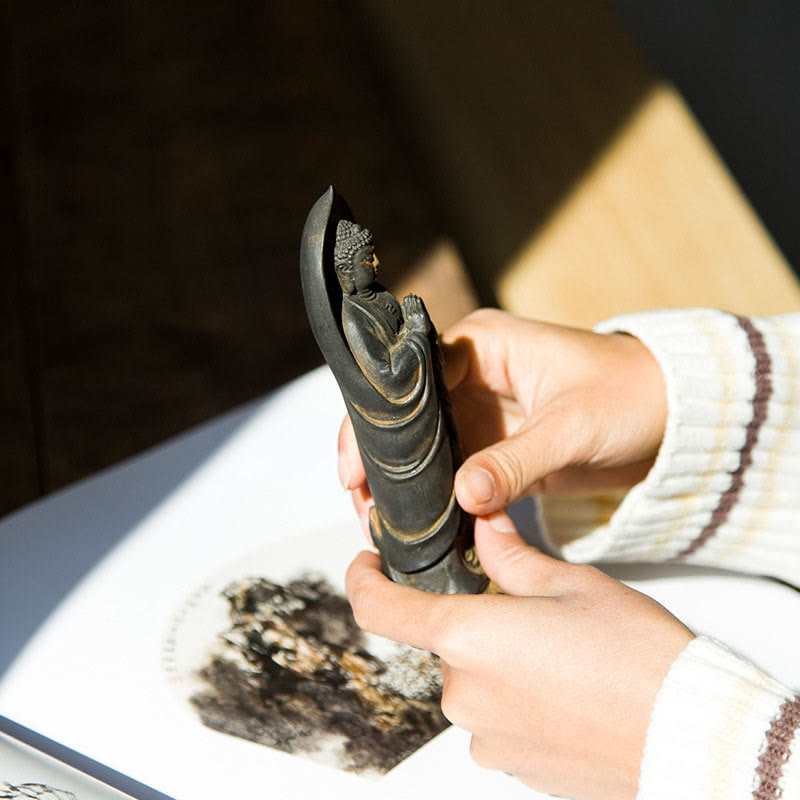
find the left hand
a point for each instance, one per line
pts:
(539, 407)
(415, 313)
(555, 679)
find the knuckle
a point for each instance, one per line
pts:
(586, 575)
(483, 314)
(510, 468)
(448, 634)
(489, 317)
(517, 555)
(578, 580)
(358, 606)
(362, 603)
(363, 611)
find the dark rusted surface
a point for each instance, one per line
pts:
(387, 362)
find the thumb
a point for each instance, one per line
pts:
(511, 563)
(501, 474)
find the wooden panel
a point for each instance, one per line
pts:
(578, 184)
(656, 222)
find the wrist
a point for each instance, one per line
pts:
(648, 393)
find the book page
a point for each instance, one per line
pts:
(202, 645)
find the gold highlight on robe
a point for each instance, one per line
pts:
(386, 359)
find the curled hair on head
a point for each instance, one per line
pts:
(350, 238)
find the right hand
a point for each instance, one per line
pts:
(555, 679)
(540, 407)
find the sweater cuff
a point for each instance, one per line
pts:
(727, 467)
(720, 728)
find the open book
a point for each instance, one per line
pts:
(180, 621)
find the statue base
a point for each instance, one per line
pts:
(454, 573)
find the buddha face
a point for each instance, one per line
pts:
(365, 268)
(354, 257)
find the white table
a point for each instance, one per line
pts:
(93, 578)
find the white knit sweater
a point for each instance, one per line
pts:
(724, 491)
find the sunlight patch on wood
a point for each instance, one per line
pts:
(657, 221)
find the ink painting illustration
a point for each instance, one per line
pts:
(269, 652)
(294, 673)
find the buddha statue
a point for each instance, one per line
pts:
(386, 359)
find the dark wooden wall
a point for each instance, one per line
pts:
(157, 161)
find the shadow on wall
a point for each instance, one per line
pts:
(737, 67)
(578, 184)
(516, 101)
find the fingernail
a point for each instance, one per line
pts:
(479, 483)
(343, 468)
(501, 522)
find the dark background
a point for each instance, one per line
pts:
(157, 162)
(738, 67)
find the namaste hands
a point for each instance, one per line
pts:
(415, 314)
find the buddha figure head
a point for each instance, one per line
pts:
(354, 257)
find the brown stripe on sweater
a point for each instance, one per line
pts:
(777, 750)
(760, 403)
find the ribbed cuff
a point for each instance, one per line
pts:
(725, 485)
(721, 728)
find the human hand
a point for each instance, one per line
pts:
(416, 316)
(540, 407)
(555, 680)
